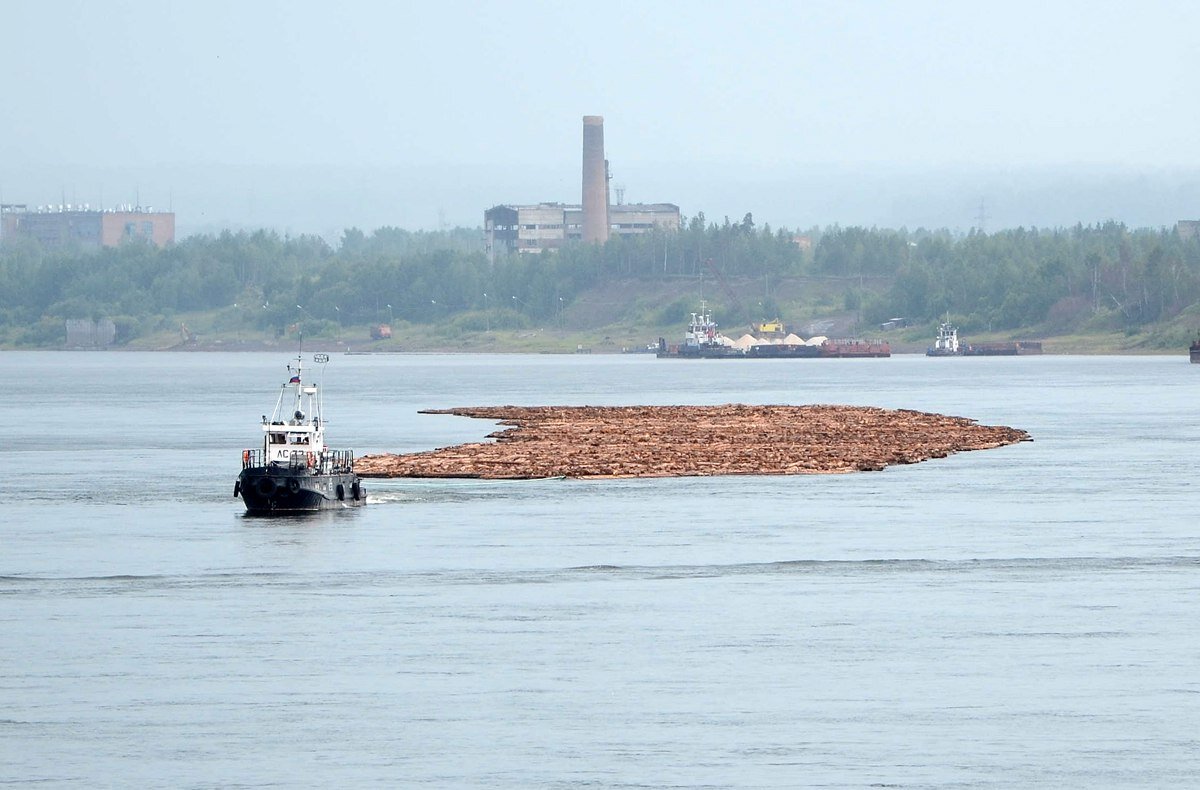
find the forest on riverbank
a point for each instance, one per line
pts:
(1102, 278)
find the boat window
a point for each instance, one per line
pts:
(278, 438)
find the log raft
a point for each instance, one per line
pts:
(683, 441)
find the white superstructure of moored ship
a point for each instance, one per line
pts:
(946, 344)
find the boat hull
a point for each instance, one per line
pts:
(1013, 348)
(783, 351)
(829, 350)
(684, 351)
(279, 490)
(855, 349)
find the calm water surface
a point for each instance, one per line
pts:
(1009, 618)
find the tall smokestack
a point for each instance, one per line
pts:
(595, 181)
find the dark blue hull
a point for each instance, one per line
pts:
(783, 351)
(279, 490)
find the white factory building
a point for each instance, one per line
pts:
(548, 226)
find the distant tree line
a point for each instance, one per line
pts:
(1086, 277)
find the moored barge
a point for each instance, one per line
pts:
(703, 340)
(1003, 348)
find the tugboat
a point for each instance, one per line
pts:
(294, 472)
(946, 344)
(1194, 350)
(702, 339)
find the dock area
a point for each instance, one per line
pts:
(682, 441)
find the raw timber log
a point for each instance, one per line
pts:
(679, 441)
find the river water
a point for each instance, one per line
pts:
(1015, 617)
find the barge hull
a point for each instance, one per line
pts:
(1015, 348)
(854, 349)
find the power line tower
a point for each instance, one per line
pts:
(981, 217)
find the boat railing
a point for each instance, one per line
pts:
(337, 461)
(855, 341)
(300, 459)
(324, 463)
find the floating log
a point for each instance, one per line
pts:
(682, 441)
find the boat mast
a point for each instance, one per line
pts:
(299, 405)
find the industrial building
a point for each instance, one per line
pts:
(55, 227)
(548, 226)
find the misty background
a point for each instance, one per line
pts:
(308, 119)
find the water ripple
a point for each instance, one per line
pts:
(124, 583)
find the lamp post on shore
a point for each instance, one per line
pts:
(303, 313)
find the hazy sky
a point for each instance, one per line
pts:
(472, 104)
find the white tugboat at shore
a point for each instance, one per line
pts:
(946, 344)
(702, 339)
(294, 472)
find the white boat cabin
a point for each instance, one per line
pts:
(702, 330)
(295, 433)
(947, 339)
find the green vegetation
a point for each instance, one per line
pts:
(1120, 287)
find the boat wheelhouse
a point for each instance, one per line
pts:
(946, 344)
